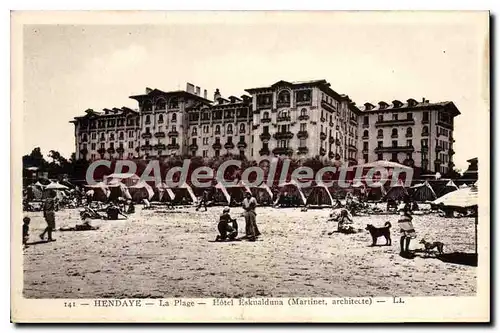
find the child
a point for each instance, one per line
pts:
(226, 230)
(26, 229)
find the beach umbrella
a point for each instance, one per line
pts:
(56, 186)
(383, 164)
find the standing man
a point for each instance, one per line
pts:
(49, 208)
(249, 204)
(203, 201)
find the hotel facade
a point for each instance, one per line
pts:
(294, 119)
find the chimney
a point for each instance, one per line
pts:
(148, 90)
(197, 91)
(190, 88)
(205, 93)
(217, 95)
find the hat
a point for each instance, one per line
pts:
(225, 210)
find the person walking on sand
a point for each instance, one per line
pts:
(49, 208)
(407, 232)
(203, 201)
(251, 229)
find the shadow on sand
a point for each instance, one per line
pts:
(469, 259)
(39, 242)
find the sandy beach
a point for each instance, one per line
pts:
(163, 253)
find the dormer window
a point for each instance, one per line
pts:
(396, 103)
(369, 106)
(411, 102)
(382, 105)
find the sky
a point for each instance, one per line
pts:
(370, 57)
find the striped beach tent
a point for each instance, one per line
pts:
(423, 192)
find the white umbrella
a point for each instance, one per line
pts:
(56, 186)
(463, 198)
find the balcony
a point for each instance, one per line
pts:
(173, 134)
(111, 150)
(283, 135)
(307, 102)
(303, 150)
(366, 125)
(444, 124)
(264, 151)
(396, 149)
(353, 122)
(137, 149)
(159, 134)
(366, 137)
(424, 149)
(437, 162)
(451, 152)
(280, 119)
(102, 138)
(265, 136)
(217, 145)
(331, 155)
(331, 140)
(120, 150)
(302, 135)
(409, 135)
(425, 133)
(394, 136)
(337, 157)
(193, 147)
(265, 106)
(322, 151)
(241, 145)
(304, 117)
(322, 136)
(101, 151)
(328, 106)
(283, 104)
(229, 145)
(438, 149)
(282, 151)
(265, 120)
(160, 146)
(84, 151)
(337, 142)
(364, 151)
(173, 146)
(399, 122)
(146, 147)
(322, 119)
(352, 148)
(146, 135)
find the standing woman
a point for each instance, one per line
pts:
(249, 204)
(407, 232)
(49, 208)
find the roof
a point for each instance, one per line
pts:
(90, 113)
(406, 107)
(158, 92)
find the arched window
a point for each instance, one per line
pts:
(84, 137)
(161, 104)
(103, 137)
(174, 117)
(409, 132)
(266, 115)
(147, 106)
(365, 133)
(425, 130)
(303, 112)
(173, 103)
(120, 136)
(217, 129)
(148, 119)
(160, 119)
(283, 114)
(112, 136)
(380, 133)
(195, 131)
(229, 129)
(242, 128)
(284, 97)
(394, 133)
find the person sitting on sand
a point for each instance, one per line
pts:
(337, 204)
(131, 208)
(85, 226)
(228, 227)
(344, 219)
(407, 232)
(26, 229)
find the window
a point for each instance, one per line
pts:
(217, 129)
(102, 145)
(205, 129)
(174, 117)
(284, 97)
(365, 133)
(130, 134)
(147, 106)
(266, 115)
(242, 138)
(160, 119)
(265, 129)
(147, 130)
(394, 143)
(380, 157)
(409, 116)
(195, 131)
(193, 141)
(174, 141)
(160, 129)
(283, 144)
(394, 133)
(93, 135)
(303, 112)
(174, 129)
(380, 133)
(131, 144)
(365, 145)
(242, 128)
(394, 116)
(380, 117)
(425, 116)
(217, 153)
(92, 146)
(205, 141)
(283, 114)
(365, 157)
(205, 153)
(409, 132)
(147, 120)
(409, 143)
(147, 142)
(229, 129)
(161, 104)
(425, 130)
(229, 139)
(394, 157)
(112, 136)
(379, 144)
(173, 103)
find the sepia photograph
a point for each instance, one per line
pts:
(229, 163)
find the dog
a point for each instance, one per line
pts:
(379, 232)
(429, 246)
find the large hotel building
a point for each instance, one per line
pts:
(295, 119)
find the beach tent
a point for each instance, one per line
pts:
(461, 198)
(263, 194)
(237, 192)
(293, 191)
(396, 192)
(463, 186)
(221, 195)
(129, 179)
(162, 193)
(319, 197)
(56, 186)
(449, 187)
(375, 192)
(337, 191)
(39, 185)
(184, 194)
(422, 192)
(100, 190)
(141, 191)
(358, 188)
(118, 190)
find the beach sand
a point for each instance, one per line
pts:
(162, 253)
